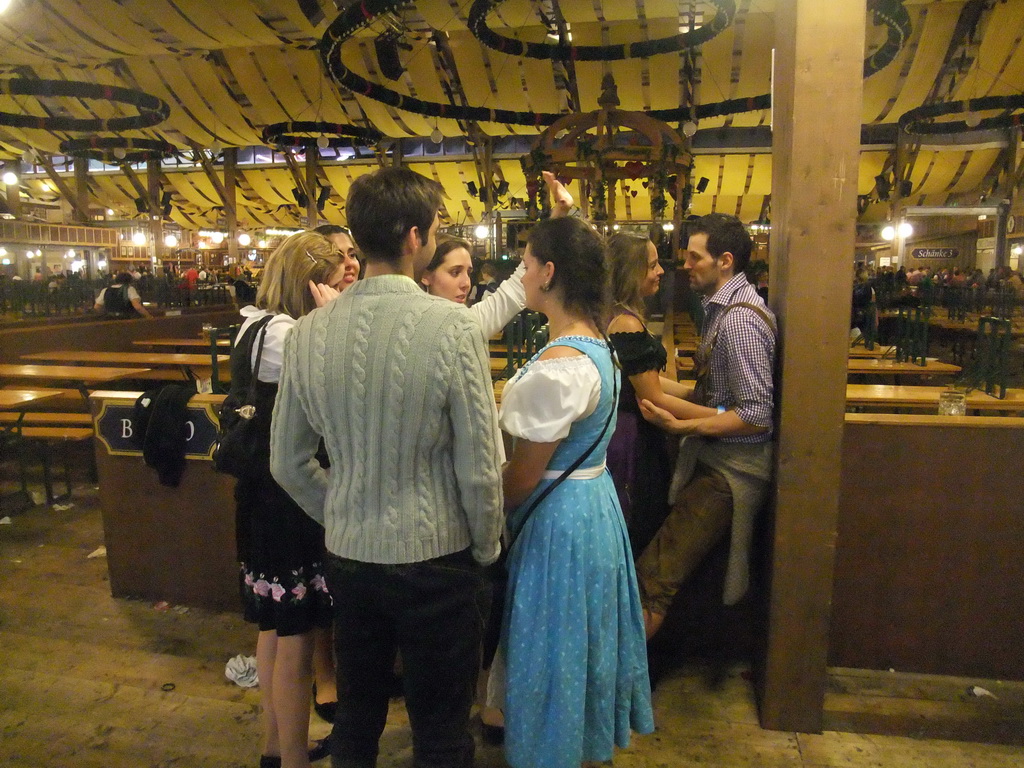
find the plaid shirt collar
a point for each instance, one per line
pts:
(724, 295)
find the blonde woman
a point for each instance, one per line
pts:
(637, 457)
(280, 547)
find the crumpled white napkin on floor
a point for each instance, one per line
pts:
(241, 670)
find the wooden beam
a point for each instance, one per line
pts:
(230, 209)
(133, 179)
(14, 190)
(312, 161)
(817, 105)
(211, 174)
(61, 185)
(293, 168)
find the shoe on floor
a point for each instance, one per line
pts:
(324, 710)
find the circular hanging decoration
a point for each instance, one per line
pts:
(115, 150)
(151, 109)
(360, 15)
(477, 21)
(336, 134)
(920, 121)
(895, 17)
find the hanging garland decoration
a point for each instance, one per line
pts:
(151, 109)
(360, 15)
(895, 17)
(116, 150)
(920, 121)
(337, 134)
(477, 22)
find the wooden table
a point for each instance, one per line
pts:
(13, 399)
(891, 367)
(857, 365)
(149, 359)
(81, 375)
(181, 343)
(878, 351)
(182, 361)
(927, 398)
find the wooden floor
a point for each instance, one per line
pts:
(88, 681)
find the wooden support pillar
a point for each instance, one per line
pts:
(14, 190)
(82, 189)
(228, 194)
(58, 181)
(312, 160)
(815, 151)
(156, 219)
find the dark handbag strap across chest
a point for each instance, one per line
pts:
(702, 358)
(245, 374)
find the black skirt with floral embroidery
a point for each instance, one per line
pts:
(281, 550)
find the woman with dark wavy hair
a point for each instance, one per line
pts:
(573, 638)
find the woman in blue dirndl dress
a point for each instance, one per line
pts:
(573, 638)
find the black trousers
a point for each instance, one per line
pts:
(434, 612)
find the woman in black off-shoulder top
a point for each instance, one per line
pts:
(637, 456)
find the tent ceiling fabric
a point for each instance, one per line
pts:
(228, 69)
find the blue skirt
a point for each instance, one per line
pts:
(573, 634)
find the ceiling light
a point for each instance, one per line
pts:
(689, 128)
(171, 241)
(139, 238)
(244, 239)
(10, 178)
(217, 237)
(482, 231)
(110, 211)
(668, 226)
(888, 232)
(261, 244)
(905, 230)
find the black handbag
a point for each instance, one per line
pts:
(241, 449)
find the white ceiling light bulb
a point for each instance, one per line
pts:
(244, 239)
(139, 238)
(972, 119)
(436, 136)
(689, 128)
(668, 226)
(10, 178)
(39, 252)
(323, 142)
(482, 231)
(171, 241)
(261, 244)
(888, 232)
(215, 147)
(120, 153)
(217, 237)
(905, 230)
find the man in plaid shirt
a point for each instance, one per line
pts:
(724, 466)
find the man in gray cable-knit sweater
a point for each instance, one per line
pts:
(397, 383)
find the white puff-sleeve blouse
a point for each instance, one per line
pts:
(541, 402)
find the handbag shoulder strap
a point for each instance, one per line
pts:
(577, 463)
(258, 329)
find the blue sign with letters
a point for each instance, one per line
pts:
(116, 429)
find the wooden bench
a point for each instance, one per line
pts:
(45, 439)
(49, 418)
